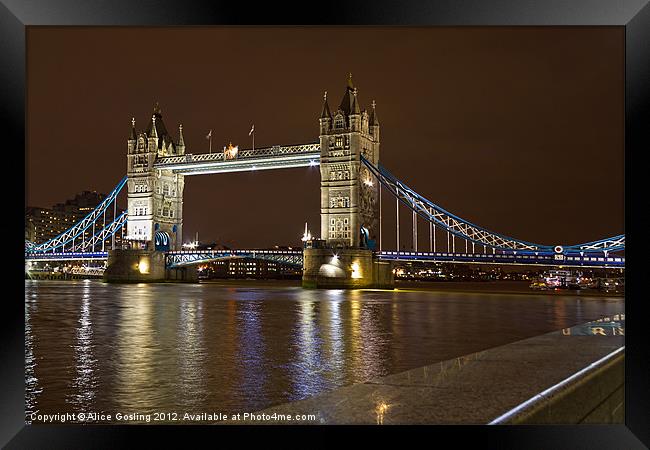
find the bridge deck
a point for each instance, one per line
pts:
(276, 157)
(295, 257)
(587, 260)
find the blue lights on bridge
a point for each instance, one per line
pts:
(543, 259)
(75, 256)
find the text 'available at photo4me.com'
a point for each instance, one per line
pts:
(166, 417)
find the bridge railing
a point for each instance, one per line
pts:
(524, 258)
(276, 150)
(91, 271)
(61, 256)
(191, 257)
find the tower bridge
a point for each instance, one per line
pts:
(351, 250)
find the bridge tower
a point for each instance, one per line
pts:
(343, 257)
(155, 197)
(349, 195)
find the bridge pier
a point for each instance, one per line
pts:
(345, 269)
(144, 266)
(186, 273)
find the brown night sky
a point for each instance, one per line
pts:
(519, 130)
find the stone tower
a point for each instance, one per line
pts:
(155, 197)
(349, 192)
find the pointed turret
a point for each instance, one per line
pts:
(161, 130)
(348, 97)
(181, 141)
(374, 120)
(325, 114)
(153, 132)
(355, 103)
(133, 136)
(355, 113)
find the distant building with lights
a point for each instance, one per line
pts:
(248, 268)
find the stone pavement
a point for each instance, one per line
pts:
(472, 389)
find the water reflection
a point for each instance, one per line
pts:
(381, 409)
(161, 347)
(138, 383)
(372, 357)
(192, 353)
(85, 381)
(251, 347)
(307, 370)
(354, 341)
(333, 338)
(32, 387)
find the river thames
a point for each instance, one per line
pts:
(242, 347)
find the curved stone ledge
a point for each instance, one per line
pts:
(481, 387)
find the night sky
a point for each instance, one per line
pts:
(519, 130)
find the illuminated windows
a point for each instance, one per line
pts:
(340, 175)
(339, 228)
(339, 202)
(165, 211)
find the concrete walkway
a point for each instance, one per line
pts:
(472, 389)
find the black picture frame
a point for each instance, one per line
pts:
(16, 15)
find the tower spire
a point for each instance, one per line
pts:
(133, 135)
(347, 102)
(325, 113)
(181, 141)
(154, 132)
(355, 103)
(374, 120)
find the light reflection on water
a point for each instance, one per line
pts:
(32, 387)
(251, 349)
(91, 346)
(192, 359)
(84, 383)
